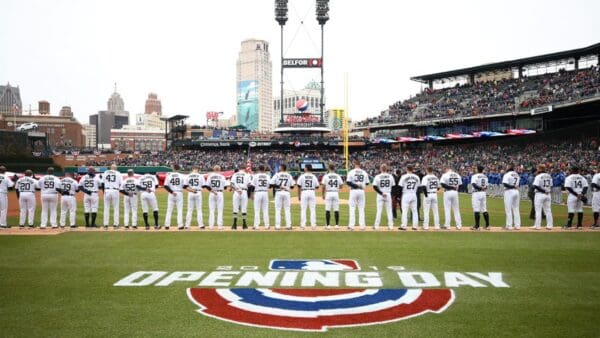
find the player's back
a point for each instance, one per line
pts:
(576, 182)
(111, 179)
(480, 179)
(216, 182)
(430, 182)
(26, 184)
(358, 176)
(240, 180)
(69, 185)
(129, 184)
(261, 182)
(195, 181)
(48, 184)
(148, 182)
(332, 182)
(90, 183)
(284, 180)
(175, 181)
(409, 183)
(5, 183)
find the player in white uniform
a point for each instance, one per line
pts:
(239, 182)
(260, 182)
(129, 189)
(479, 182)
(409, 183)
(26, 187)
(450, 181)
(49, 186)
(357, 179)
(111, 184)
(68, 202)
(331, 184)
(148, 184)
(216, 183)
(174, 185)
(194, 183)
(307, 184)
(596, 197)
(283, 183)
(430, 185)
(90, 184)
(542, 185)
(577, 187)
(5, 184)
(512, 199)
(383, 183)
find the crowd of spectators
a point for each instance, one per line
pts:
(493, 97)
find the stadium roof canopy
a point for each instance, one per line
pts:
(175, 118)
(573, 53)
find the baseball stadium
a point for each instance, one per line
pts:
(467, 208)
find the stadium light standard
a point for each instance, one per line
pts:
(281, 10)
(322, 17)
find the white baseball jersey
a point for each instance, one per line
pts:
(284, 180)
(194, 181)
(543, 181)
(409, 183)
(511, 178)
(175, 181)
(596, 181)
(576, 182)
(112, 179)
(260, 182)
(358, 177)
(431, 183)
(216, 182)
(451, 179)
(48, 185)
(148, 182)
(26, 184)
(332, 182)
(5, 183)
(240, 180)
(481, 180)
(384, 182)
(129, 185)
(308, 181)
(90, 183)
(69, 185)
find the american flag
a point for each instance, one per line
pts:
(75, 152)
(249, 166)
(15, 108)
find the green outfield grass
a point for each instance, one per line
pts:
(62, 286)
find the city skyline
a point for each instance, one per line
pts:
(71, 53)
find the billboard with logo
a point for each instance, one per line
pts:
(247, 104)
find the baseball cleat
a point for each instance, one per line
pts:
(402, 228)
(475, 228)
(201, 227)
(233, 227)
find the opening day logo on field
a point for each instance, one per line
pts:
(316, 294)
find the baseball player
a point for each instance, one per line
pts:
(283, 183)
(49, 185)
(409, 183)
(90, 184)
(5, 184)
(260, 182)
(510, 180)
(543, 184)
(357, 179)
(194, 183)
(450, 181)
(68, 203)
(596, 197)
(148, 184)
(129, 189)
(577, 187)
(111, 184)
(307, 184)
(26, 187)
(174, 185)
(331, 184)
(479, 182)
(239, 182)
(430, 185)
(382, 184)
(216, 183)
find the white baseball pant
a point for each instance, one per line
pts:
(384, 202)
(332, 201)
(479, 201)
(543, 202)
(49, 204)
(409, 202)
(3, 208)
(357, 199)
(511, 208)
(90, 202)
(27, 208)
(68, 204)
(282, 200)
(215, 201)
(174, 200)
(111, 200)
(130, 206)
(574, 205)
(194, 202)
(261, 203)
(596, 201)
(431, 202)
(149, 200)
(307, 200)
(451, 206)
(240, 201)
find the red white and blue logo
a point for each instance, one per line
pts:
(317, 309)
(302, 105)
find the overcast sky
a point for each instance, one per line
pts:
(71, 52)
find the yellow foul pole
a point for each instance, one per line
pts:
(345, 122)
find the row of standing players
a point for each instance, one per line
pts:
(242, 184)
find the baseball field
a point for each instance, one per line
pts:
(126, 283)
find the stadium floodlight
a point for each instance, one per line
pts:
(281, 12)
(322, 11)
